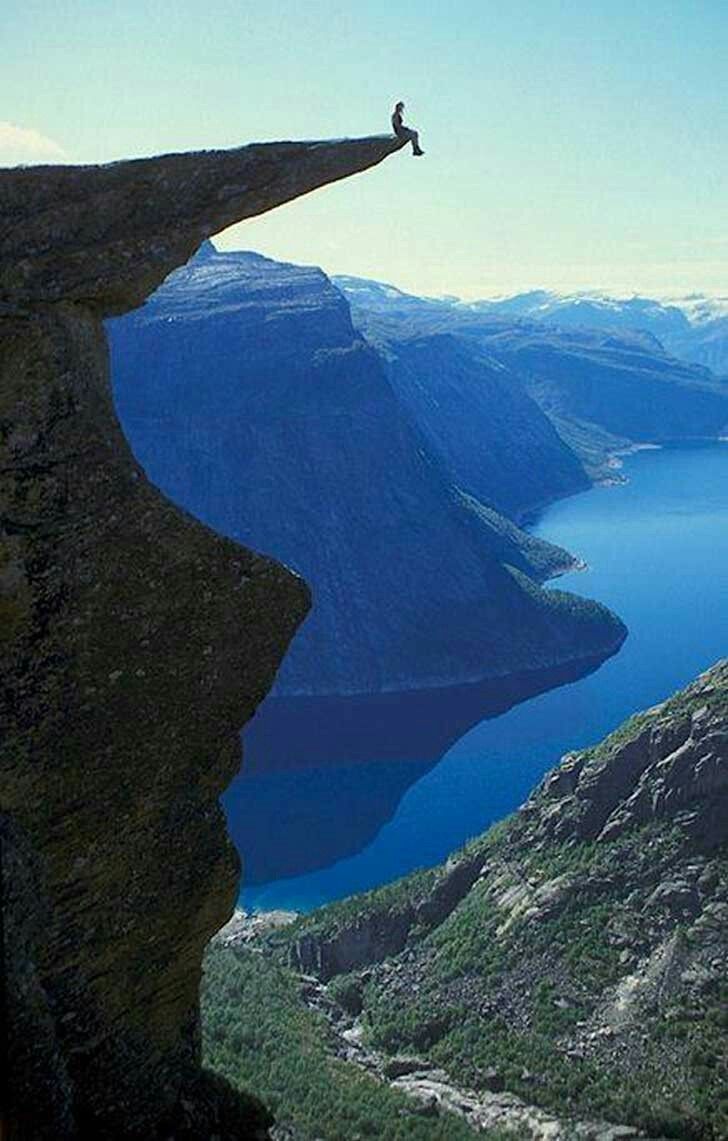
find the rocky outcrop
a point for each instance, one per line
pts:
(105, 236)
(367, 937)
(135, 643)
(584, 962)
(437, 1093)
(669, 765)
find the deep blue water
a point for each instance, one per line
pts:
(315, 824)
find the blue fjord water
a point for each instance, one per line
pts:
(315, 825)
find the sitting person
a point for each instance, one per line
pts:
(403, 132)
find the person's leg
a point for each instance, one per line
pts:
(411, 136)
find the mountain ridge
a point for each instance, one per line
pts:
(302, 443)
(694, 327)
(605, 389)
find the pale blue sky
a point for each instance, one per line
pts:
(570, 143)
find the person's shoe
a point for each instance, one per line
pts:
(418, 152)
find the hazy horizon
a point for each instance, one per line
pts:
(226, 243)
(568, 146)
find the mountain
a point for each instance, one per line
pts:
(591, 311)
(706, 340)
(495, 441)
(604, 386)
(564, 971)
(266, 414)
(693, 328)
(623, 384)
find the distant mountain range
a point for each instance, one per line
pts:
(694, 328)
(381, 475)
(605, 385)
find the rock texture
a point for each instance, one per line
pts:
(135, 643)
(578, 967)
(669, 765)
(106, 236)
(371, 937)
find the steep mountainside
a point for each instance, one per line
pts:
(266, 414)
(493, 438)
(568, 967)
(624, 384)
(135, 643)
(603, 389)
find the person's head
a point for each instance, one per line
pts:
(399, 106)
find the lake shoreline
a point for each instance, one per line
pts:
(315, 830)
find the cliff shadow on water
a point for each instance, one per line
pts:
(360, 754)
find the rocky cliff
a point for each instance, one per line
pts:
(299, 442)
(567, 968)
(135, 643)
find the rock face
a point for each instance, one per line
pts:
(104, 237)
(135, 643)
(582, 956)
(371, 938)
(300, 443)
(667, 766)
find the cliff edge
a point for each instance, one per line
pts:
(135, 643)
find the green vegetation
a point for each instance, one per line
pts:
(260, 1036)
(395, 896)
(547, 976)
(512, 545)
(581, 974)
(700, 1031)
(553, 601)
(405, 893)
